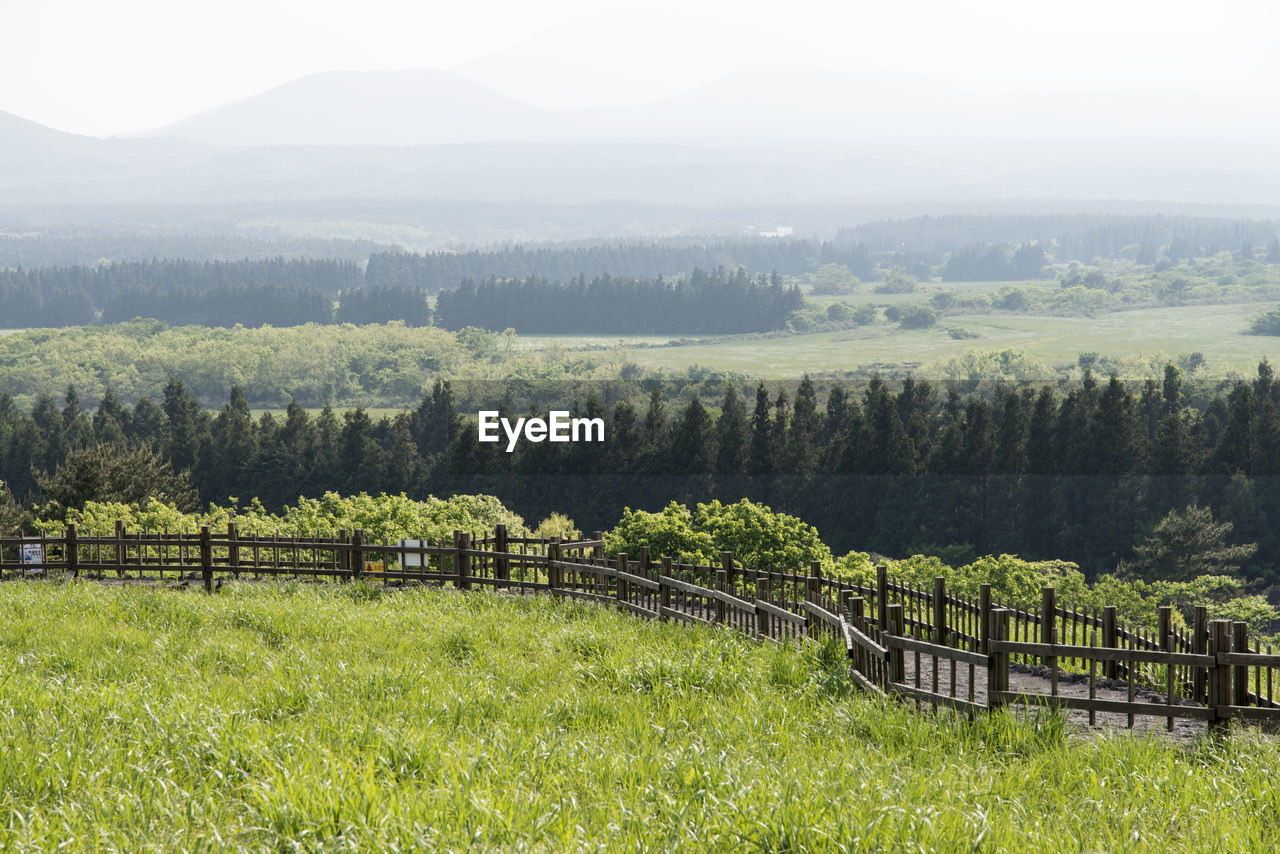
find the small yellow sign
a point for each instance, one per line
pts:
(373, 566)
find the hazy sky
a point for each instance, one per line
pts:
(114, 67)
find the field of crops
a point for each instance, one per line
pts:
(349, 718)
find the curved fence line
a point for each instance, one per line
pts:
(926, 645)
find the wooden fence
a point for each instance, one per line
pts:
(926, 645)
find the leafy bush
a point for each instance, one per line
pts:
(557, 525)
(916, 317)
(668, 532)
(1266, 324)
(834, 279)
(389, 516)
(752, 532)
(898, 281)
(864, 314)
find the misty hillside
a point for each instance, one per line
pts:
(31, 152)
(427, 107)
(418, 107)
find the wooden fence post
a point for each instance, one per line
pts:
(726, 564)
(984, 618)
(597, 552)
(1112, 668)
(1164, 634)
(72, 548)
(646, 563)
(811, 581)
(1049, 631)
(120, 549)
(357, 553)
(1219, 675)
(764, 625)
(1200, 646)
(462, 542)
(1240, 673)
(501, 565)
(233, 549)
(856, 609)
(997, 661)
(882, 596)
(206, 558)
(664, 589)
(940, 610)
(620, 588)
(722, 610)
(895, 625)
(553, 572)
(344, 556)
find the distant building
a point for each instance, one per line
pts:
(778, 231)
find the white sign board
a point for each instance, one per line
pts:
(411, 559)
(32, 558)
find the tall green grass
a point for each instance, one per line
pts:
(343, 718)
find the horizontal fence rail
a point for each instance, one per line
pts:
(921, 644)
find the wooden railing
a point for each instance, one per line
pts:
(922, 644)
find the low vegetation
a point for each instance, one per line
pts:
(339, 718)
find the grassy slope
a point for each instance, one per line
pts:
(272, 718)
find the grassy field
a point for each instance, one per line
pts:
(1215, 330)
(339, 719)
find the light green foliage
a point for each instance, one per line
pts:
(1139, 601)
(668, 532)
(1020, 582)
(1011, 578)
(557, 525)
(389, 516)
(758, 536)
(980, 367)
(755, 534)
(912, 315)
(349, 365)
(834, 279)
(898, 281)
(341, 718)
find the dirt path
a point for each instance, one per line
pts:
(1027, 680)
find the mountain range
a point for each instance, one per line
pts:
(767, 135)
(433, 107)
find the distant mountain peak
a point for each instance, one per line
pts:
(409, 107)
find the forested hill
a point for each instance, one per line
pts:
(1080, 473)
(441, 270)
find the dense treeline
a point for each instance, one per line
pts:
(438, 271)
(102, 281)
(1075, 237)
(220, 305)
(391, 285)
(383, 304)
(73, 247)
(994, 263)
(274, 291)
(1081, 473)
(703, 303)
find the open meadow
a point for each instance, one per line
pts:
(1217, 331)
(345, 717)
